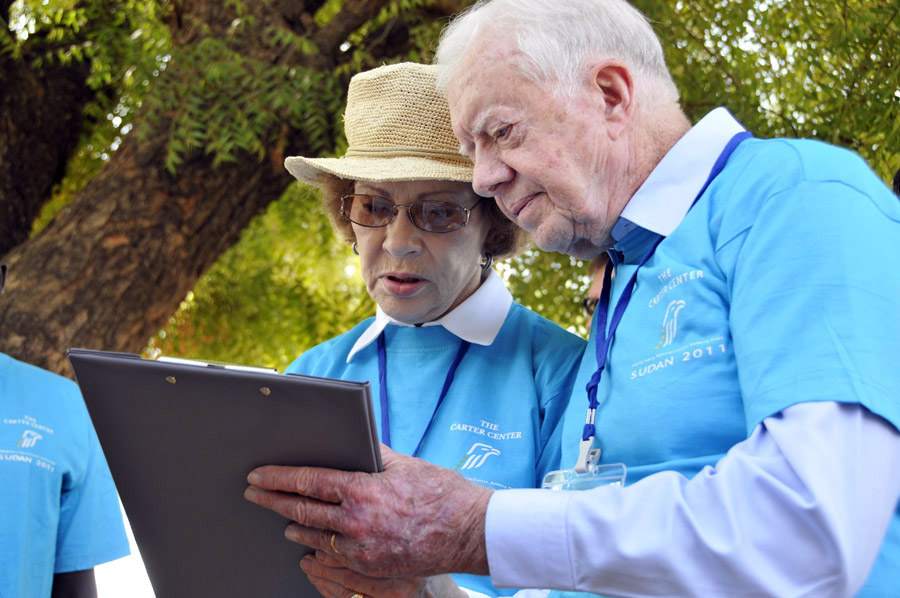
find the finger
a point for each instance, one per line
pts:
(330, 589)
(328, 558)
(322, 540)
(314, 482)
(346, 581)
(350, 580)
(388, 456)
(305, 511)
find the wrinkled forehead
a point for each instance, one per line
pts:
(485, 80)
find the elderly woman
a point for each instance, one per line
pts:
(463, 376)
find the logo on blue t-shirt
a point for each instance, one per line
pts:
(29, 439)
(670, 323)
(476, 456)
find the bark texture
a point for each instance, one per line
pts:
(114, 265)
(40, 124)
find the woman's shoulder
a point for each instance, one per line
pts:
(555, 353)
(543, 332)
(313, 360)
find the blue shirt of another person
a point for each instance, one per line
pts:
(60, 510)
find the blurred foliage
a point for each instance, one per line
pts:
(824, 69)
(126, 43)
(792, 69)
(288, 283)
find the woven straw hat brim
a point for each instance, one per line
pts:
(322, 171)
(398, 129)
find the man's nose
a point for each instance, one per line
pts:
(401, 237)
(490, 173)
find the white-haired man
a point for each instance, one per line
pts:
(741, 362)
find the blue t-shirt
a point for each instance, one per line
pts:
(780, 286)
(60, 511)
(495, 424)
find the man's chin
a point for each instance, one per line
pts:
(578, 248)
(550, 238)
(583, 249)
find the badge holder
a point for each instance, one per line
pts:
(594, 476)
(587, 473)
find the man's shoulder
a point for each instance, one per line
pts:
(792, 171)
(783, 161)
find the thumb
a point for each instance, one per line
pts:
(389, 458)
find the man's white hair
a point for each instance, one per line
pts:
(558, 39)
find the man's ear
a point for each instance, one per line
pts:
(615, 86)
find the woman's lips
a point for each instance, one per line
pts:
(402, 284)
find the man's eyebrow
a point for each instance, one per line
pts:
(480, 122)
(477, 129)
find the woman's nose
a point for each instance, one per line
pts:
(401, 237)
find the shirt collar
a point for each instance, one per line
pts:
(661, 203)
(478, 319)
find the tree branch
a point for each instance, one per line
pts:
(353, 15)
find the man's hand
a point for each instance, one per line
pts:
(413, 520)
(334, 581)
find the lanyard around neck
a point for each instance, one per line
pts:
(383, 394)
(601, 314)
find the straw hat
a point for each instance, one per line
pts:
(398, 129)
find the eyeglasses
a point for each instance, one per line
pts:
(589, 304)
(430, 216)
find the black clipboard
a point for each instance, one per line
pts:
(181, 437)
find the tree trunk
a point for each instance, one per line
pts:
(111, 267)
(40, 124)
(116, 263)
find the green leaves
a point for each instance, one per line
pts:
(783, 68)
(224, 103)
(794, 69)
(826, 70)
(286, 286)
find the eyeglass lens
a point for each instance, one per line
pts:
(430, 216)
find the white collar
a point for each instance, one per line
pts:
(478, 319)
(666, 196)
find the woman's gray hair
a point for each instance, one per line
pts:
(558, 38)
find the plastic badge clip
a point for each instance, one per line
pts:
(588, 457)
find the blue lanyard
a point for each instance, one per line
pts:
(382, 384)
(602, 312)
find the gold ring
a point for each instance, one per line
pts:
(334, 548)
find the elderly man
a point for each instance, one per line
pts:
(742, 361)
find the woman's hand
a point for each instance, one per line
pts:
(335, 581)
